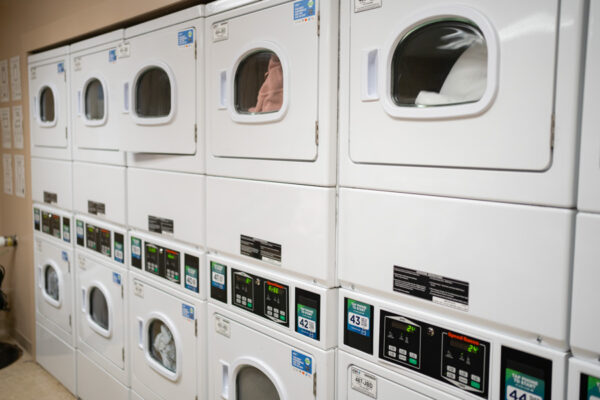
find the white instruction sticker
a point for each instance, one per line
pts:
(363, 382)
(15, 78)
(222, 326)
(17, 126)
(5, 127)
(220, 31)
(4, 90)
(364, 5)
(8, 174)
(123, 50)
(19, 175)
(138, 289)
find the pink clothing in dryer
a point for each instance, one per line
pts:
(270, 95)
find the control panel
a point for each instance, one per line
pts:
(448, 356)
(52, 224)
(100, 240)
(263, 297)
(163, 262)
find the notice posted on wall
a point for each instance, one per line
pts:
(15, 78)
(17, 126)
(5, 127)
(8, 174)
(19, 175)
(4, 90)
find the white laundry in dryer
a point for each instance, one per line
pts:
(54, 302)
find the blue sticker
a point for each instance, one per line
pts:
(306, 318)
(117, 278)
(185, 37)
(359, 317)
(112, 55)
(65, 256)
(61, 67)
(304, 9)
(302, 362)
(187, 311)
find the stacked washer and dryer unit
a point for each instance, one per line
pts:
(52, 194)
(271, 123)
(458, 160)
(584, 366)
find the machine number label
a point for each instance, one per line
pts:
(363, 382)
(220, 31)
(217, 275)
(302, 362)
(359, 316)
(520, 386)
(364, 5)
(307, 321)
(593, 388)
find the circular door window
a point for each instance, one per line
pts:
(258, 87)
(162, 345)
(47, 105)
(51, 284)
(251, 383)
(98, 308)
(94, 100)
(153, 93)
(442, 62)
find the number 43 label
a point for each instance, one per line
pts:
(359, 317)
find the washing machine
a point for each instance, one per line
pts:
(162, 86)
(55, 319)
(101, 303)
(248, 360)
(96, 93)
(52, 182)
(168, 340)
(392, 350)
(49, 104)
(285, 304)
(589, 169)
(462, 99)
(584, 379)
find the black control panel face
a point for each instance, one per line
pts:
(260, 296)
(163, 262)
(525, 376)
(442, 354)
(98, 239)
(51, 224)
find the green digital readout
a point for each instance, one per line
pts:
(248, 280)
(411, 329)
(170, 256)
(151, 249)
(473, 349)
(274, 289)
(468, 347)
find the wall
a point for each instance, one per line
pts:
(27, 25)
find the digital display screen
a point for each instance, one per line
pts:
(170, 256)
(274, 289)
(105, 233)
(151, 249)
(468, 347)
(403, 326)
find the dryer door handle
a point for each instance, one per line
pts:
(79, 103)
(141, 333)
(40, 276)
(35, 108)
(83, 299)
(224, 380)
(222, 90)
(126, 97)
(370, 67)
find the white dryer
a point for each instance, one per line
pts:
(249, 361)
(388, 350)
(52, 182)
(49, 104)
(101, 304)
(162, 98)
(96, 93)
(271, 79)
(54, 284)
(584, 379)
(505, 266)
(462, 98)
(589, 168)
(168, 341)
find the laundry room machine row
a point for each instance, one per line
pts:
(54, 272)
(392, 350)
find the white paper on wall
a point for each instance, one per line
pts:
(8, 175)
(15, 78)
(5, 127)
(4, 91)
(17, 126)
(19, 175)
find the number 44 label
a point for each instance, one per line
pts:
(513, 393)
(363, 382)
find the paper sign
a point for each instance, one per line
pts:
(5, 127)
(4, 94)
(17, 126)
(7, 168)
(20, 175)
(15, 78)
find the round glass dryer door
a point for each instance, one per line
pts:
(47, 112)
(94, 100)
(153, 93)
(259, 84)
(162, 345)
(51, 284)
(98, 308)
(252, 384)
(440, 63)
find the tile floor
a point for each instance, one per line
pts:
(26, 380)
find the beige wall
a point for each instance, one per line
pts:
(27, 25)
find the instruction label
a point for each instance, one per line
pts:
(363, 382)
(17, 126)
(302, 362)
(50, 197)
(4, 90)
(5, 126)
(304, 10)
(160, 225)
(185, 37)
(364, 5)
(435, 288)
(15, 77)
(116, 278)
(96, 208)
(220, 31)
(260, 249)
(187, 311)
(521, 386)
(359, 317)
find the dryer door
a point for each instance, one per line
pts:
(54, 284)
(101, 307)
(163, 342)
(96, 89)
(49, 103)
(443, 84)
(159, 95)
(263, 86)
